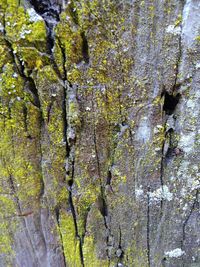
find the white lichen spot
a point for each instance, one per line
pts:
(159, 128)
(139, 192)
(172, 29)
(24, 32)
(161, 193)
(194, 184)
(144, 130)
(1, 28)
(197, 66)
(33, 15)
(187, 142)
(185, 207)
(176, 253)
(191, 103)
(15, 75)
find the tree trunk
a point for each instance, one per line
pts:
(99, 133)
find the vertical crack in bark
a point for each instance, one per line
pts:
(85, 48)
(148, 227)
(72, 208)
(102, 198)
(69, 154)
(72, 162)
(57, 213)
(119, 252)
(29, 82)
(51, 16)
(71, 158)
(176, 84)
(187, 219)
(170, 103)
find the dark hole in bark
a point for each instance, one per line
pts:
(109, 177)
(170, 102)
(104, 210)
(85, 51)
(50, 14)
(171, 130)
(101, 204)
(39, 6)
(70, 182)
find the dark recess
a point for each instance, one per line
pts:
(50, 13)
(170, 102)
(109, 177)
(85, 50)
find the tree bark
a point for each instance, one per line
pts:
(99, 133)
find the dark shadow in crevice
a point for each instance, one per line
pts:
(50, 13)
(85, 49)
(170, 102)
(109, 177)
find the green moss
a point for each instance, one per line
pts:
(136, 256)
(5, 56)
(84, 203)
(89, 253)
(51, 93)
(70, 35)
(20, 30)
(70, 242)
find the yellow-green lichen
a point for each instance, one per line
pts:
(71, 243)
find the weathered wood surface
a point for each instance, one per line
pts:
(99, 133)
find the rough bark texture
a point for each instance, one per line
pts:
(99, 133)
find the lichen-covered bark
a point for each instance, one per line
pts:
(99, 133)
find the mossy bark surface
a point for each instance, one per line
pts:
(99, 133)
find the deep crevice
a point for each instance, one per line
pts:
(85, 48)
(120, 254)
(50, 13)
(170, 102)
(29, 82)
(109, 177)
(70, 200)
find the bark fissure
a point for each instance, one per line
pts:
(70, 157)
(57, 215)
(192, 209)
(148, 228)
